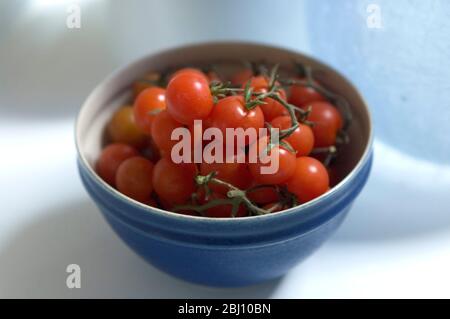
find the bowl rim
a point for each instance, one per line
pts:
(168, 214)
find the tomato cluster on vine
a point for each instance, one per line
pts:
(137, 160)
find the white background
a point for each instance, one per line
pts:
(394, 243)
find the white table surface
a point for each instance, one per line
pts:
(394, 243)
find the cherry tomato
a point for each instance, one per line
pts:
(151, 151)
(286, 163)
(230, 112)
(173, 183)
(241, 77)
(149, 80)
(220, 211)
(123, 129)
(169, 206)
(234, 173)
(197, 142)
(134, 178)
(301, 95)
(189, 98)
(272, 108)
(263, 195)
(327, 122)
(301, 140)
(310, 179)
(211, 76)
(162, 128)
(110, 159)
(189, 70)
(147, 105)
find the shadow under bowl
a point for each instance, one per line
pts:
(230, 251)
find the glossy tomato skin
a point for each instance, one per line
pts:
(310, 179)
(327, 122)
(230, 112)
(272, 108)
(301, 95)
(147, 105)
(286, 163)
(162, 128)
(173, 183)
(110, 159)
(234, 173)
(122, 128)
(189, 98)
(301, 140)
(134, 178)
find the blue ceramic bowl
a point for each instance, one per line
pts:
(222, 252)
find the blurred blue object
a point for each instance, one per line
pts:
(403, 68)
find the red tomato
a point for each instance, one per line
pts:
(169, 207)
(134, 178)
(174, 183)
(162, 128)
(189, 98)
(149, 80)
(197, 142)
(189, 70)
(220, 211)
(230, 112)
(327, 122)
(263, 195)
(301, 95)
(310, 179)
(110, 159)
(301, 140)
(234, 173)
(241, 77)
(286, 163)
(272, 108)
(147, 105)
(123, 129)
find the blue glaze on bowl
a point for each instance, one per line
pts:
(223, 253)
(230, 251)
